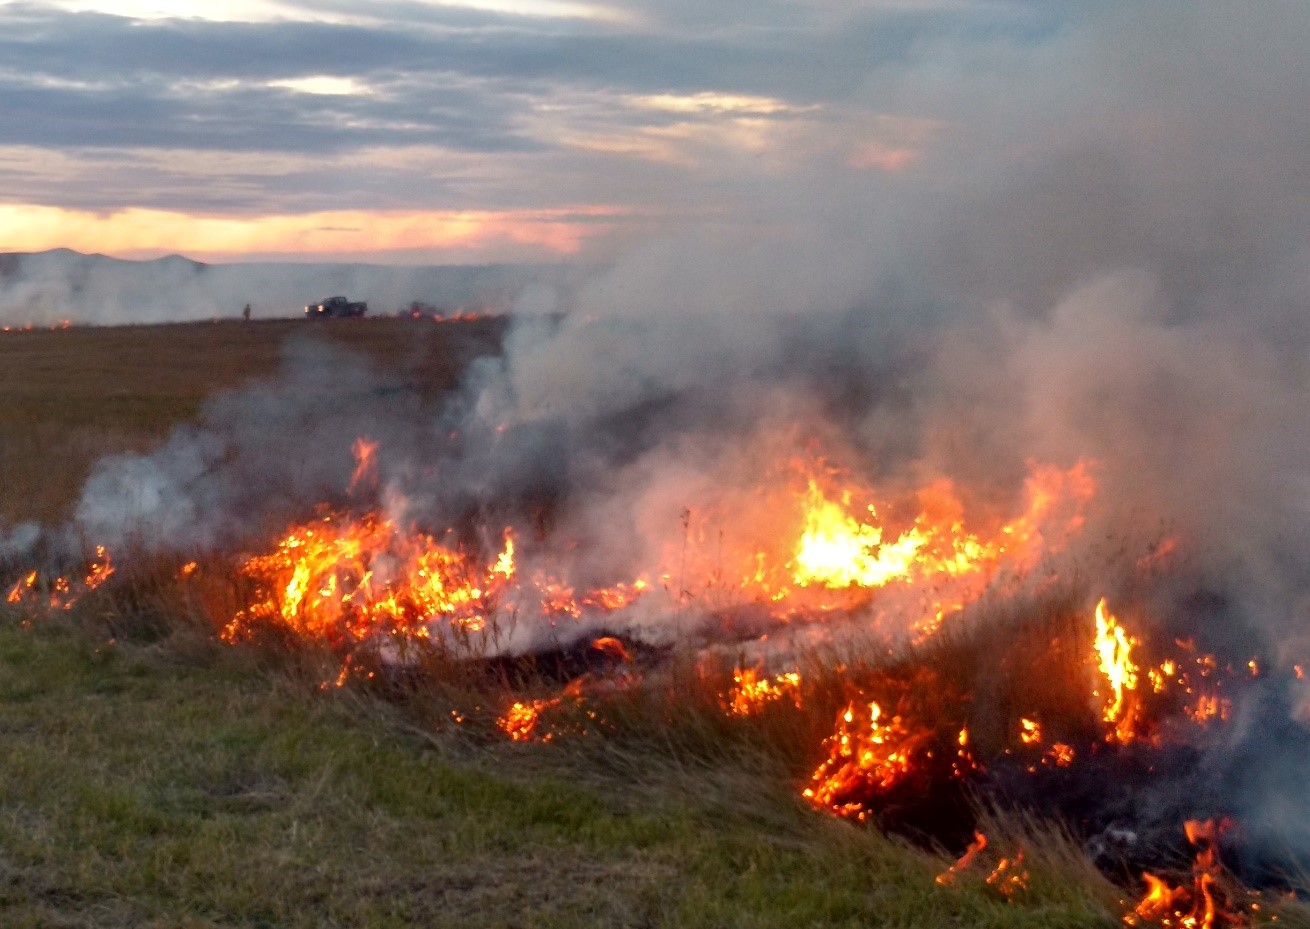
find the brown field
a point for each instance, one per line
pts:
(72, 395)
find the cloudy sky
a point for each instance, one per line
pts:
(471, 130)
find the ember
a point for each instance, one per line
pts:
(61, 592)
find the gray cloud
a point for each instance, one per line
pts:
(546, 101)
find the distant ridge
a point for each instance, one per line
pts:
(62, 284)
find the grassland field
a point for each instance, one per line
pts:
(167, 780)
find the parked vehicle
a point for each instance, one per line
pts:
(335, 307)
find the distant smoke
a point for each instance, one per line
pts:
(16, 542)
(47, 288)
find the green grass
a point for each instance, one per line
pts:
(185, 786)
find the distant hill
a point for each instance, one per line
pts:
(44, 288)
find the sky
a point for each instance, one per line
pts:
(412, 131)
(472, 130)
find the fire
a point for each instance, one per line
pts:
(61, 592)
(975, 848)
(815, 545)
(1008, 877)
(520, 721)
(1114, 655)
(525, 720)
(1204, 904)
(1060, 754)
(844, 546)
(751, 691)
(865, 756)
(19, 591)
(346, 579)
(836, 550)
(365, 473)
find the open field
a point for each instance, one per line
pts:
(73, 395)
(155, 777)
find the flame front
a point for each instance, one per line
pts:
(344, 580)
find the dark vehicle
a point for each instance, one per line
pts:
(335, 307)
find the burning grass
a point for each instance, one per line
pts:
(180, 784)
(923, 741)
(899, 662)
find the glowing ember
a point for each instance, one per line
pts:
(62, 592)
(975, 847)
(751, 692)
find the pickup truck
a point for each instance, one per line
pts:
(335, 307)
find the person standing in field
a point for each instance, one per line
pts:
(245, 314)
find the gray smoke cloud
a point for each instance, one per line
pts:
(17, 541)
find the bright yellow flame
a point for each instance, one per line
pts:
(751, 692)
(1114, 658)
(836, 550)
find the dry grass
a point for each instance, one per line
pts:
(71, 396)
(165, 780)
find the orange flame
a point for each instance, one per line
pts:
(365, 452)
(864, 754)
(62, 592)
(1204, 904)
(345, 580)
(1114, 657)
(751, 692)
(948, 876)
(1008, 877)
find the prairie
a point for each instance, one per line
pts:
(154, 776)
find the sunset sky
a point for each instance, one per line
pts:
(415, 131)
(407, 130)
